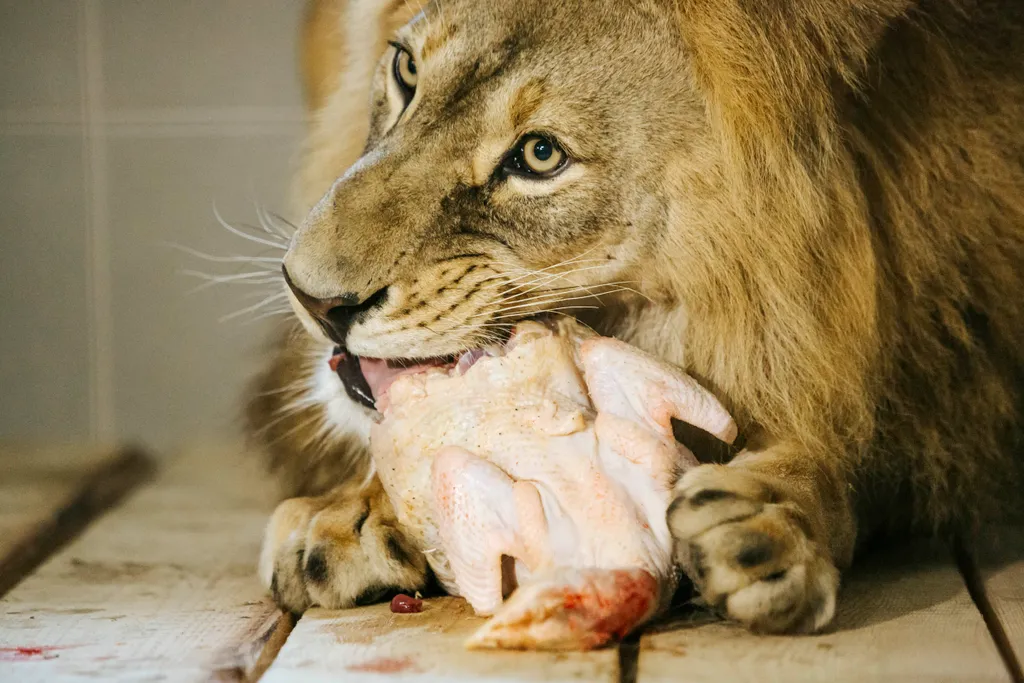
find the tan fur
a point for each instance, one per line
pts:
(817, 208)
(352, 527)
(321, 51)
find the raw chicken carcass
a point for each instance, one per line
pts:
(548, 467)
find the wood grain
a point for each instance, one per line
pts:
(163, 588)
(48, 496)
(372, 644)
(905, 616)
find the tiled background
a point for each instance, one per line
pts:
(122, 123)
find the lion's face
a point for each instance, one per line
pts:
(515, 164)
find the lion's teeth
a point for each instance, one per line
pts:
(467, 360)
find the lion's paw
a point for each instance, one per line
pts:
(749, 551)
(338, 550)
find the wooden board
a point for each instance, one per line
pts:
(1001, 565)
(903, 617)
(372, 644)
(47, 496)
(163, 588)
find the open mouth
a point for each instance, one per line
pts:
(367, 380)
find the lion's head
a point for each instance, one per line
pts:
(534, 156)
(498, 181)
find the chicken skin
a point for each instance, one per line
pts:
(545, 469)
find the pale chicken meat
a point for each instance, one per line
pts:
(546, 468)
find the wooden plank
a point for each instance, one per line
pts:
(1001, 566)
(47, 496)
(905, 616)
(372, 644)
(163, 588)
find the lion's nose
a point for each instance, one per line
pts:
(336, 315)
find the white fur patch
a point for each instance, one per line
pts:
(344, 415)
(534, 187)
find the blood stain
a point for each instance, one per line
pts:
(384, 665)
(24, 654)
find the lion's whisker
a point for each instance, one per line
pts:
(523, 273)
(611, 288)
(244, 235)
(571, 307)
(248, 279)
(216, 279)
(552, 278)
(509, 281)
(253, 308)
(268, 314)
(281, 220)
(221, 259)
(269, 225)
(556, 265)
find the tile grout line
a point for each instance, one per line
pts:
(966, 563)
(98, 286)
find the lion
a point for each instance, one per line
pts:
(814, 207)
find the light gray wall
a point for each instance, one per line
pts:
(122, 122)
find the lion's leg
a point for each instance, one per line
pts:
(762, 537)
(338, 550)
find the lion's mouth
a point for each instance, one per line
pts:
(367, 380)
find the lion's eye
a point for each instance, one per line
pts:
(542, 155)
(405, 72)
(537, 156)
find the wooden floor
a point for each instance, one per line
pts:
(113, 569)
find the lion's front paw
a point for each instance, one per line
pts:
(338, 550)
(749, 551)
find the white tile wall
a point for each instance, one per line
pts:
(122, 122)
(39, 55)
(43, 307)
(207, 53)
(165, 337)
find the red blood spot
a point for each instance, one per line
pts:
(403, 604)
(22, 654)
(602, 615)
(384, 665)
(572, 601)
(335, 361)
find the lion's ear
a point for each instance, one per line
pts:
(321, 50)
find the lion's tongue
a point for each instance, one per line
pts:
(380, 375)
(359, 374)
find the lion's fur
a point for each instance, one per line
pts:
(879, 145)
(851, 220)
